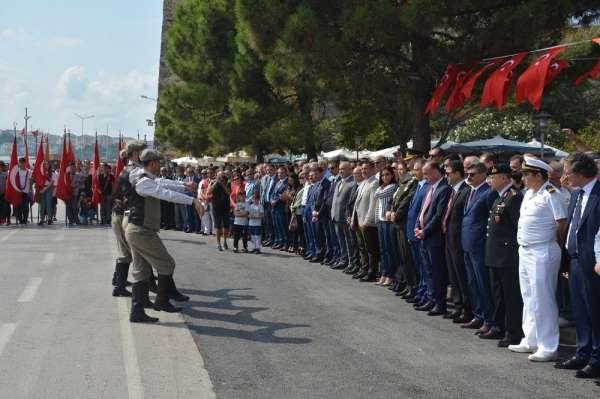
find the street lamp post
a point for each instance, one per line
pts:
(83, 118)
(357, 146)
(542, 120)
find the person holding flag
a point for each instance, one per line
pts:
(4, 204)
(42, 177)
(23, 184)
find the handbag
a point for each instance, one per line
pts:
(293, 226)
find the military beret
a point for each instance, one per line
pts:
(500, 168)
(150, 155)
(535, 165)
(412, 154)
(134, 145)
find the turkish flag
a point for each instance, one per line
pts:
(593, 73)
(555, 68)
(118, 167)
(47, 153)
(35, 133)
(456, 99)
(469, 85)
(531, 83)
(39, 171)
(70, 154)
(63, 187)
(96, 194)
(12, 193)
(497, 85)
(443, 85)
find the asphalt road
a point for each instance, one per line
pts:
(262, 326)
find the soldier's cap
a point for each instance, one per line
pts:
(500, 169)
(123, 154)
(151, 155)
(535, 165)
(134, 145)
(412, 154)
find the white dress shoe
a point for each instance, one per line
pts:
(522, 348)
(543, 356)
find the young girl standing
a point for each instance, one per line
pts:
(256, 213)
(240, 222)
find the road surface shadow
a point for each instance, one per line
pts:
(181, 241)
(244, 316)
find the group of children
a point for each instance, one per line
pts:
(247, 223)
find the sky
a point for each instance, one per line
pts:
(62, 57)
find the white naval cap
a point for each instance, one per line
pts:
(535, 165)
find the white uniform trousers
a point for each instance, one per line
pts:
(539, 265)
(207, 219)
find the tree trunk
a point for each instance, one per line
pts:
(421, 91)
(305, 105)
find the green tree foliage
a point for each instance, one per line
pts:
(259, 71)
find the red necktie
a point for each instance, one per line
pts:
(425, 207)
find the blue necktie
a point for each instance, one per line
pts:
(572, 241)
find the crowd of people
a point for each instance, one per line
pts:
(504, 245)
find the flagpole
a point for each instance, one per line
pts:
(63, 160)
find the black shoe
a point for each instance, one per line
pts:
(426, 307)
(348, 270)
(413, 300)
(165, 286)
(338, 266)
(368, 278)
(412, 292)
(359, 275)
(122, 269)
(307, 257)
(506, 342)
(588, 372)
(276, 246)
(175, 295)
(315, 260)
(452, 315)
(493, 333)
(436, 311)
(138, 314)
(571, 364)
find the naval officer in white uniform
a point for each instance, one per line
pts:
(541, 228)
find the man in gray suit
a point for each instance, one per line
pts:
(364, 221)
(341, 196)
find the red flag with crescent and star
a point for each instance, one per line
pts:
(555, 69)
(498, 84)
(593, 73)
(531, 83)
(13, 193)
(467, 89)
(63, 187)
(456, 99)
(96, 194)
(39, 171)
(443, 85)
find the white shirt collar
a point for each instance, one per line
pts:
(479, 186)
(457, 186)
(437, 183)
(588, 187)
(422, 182)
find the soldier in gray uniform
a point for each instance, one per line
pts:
(142, 230)
(123, 252)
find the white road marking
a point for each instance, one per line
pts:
(6, 237)
(48, 258)
(6, 331)
(132, 369)
(30, 290)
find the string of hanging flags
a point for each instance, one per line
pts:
(459, 79)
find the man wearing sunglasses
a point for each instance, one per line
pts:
(542, 226)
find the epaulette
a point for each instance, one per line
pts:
(550, 189)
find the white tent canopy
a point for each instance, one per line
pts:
(557, 152)
(185, 161)
(343, 153)
(499, 143)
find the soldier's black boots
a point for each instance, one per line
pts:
(165, 287)
(175, 295)
(122, 269)
(140, 294)
(152, 282)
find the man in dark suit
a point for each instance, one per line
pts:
(320, 215)
(429, 230)
(406, 275)
(360, 257)
(415, 243)
(583, 253)
(455, 258)
(340, 198)
(311, 245)
(278, 209)
(502, 259)
(332, 254)
(477, 209)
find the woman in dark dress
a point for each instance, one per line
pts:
(220, 191)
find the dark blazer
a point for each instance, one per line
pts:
(341, 196)
(501, 247)
(588, 227)
(455, 218)
(352, 200)
(475, 219)
(402, 198)
(329, 199)
(279, 187)
(414, 210)
(320, 198)
(434, 215)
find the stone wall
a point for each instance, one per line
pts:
(164, 72)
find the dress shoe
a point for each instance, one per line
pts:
(315, 260)
(452, 315)
(506, 342)
(276, 246)
(436, 311)
(522, 347)
(588, 372)
(473, 324)
(411, 293)
(571, 364)
(463, 318)
(413, 300)
(540, 356)
(426, 307)
(338, 266)
(492, 333)
(360, 275)
(369, 278)
(328, 262)
(483, 329)
(307, 257)
(350, 270)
